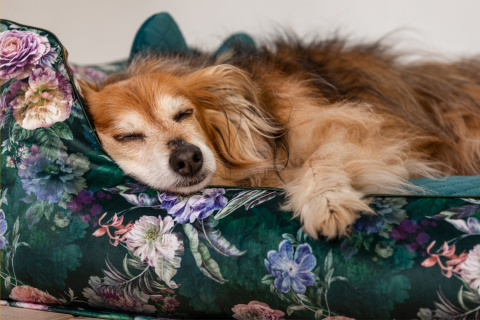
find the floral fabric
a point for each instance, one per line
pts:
(78, 236)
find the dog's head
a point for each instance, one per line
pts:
(174, 132)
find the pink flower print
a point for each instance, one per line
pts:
(119, 235)
(452, 265)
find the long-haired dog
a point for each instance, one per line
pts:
(328, 122)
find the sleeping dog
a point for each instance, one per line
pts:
(327, 121)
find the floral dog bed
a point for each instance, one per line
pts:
(79, 237)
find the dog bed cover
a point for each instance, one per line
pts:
(78, 236)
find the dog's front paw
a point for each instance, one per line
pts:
(330, 214)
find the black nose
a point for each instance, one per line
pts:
(186, 159)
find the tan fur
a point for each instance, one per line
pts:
(328, 122)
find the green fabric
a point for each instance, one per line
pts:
(461, 186)
(239, 41)
(73, 226)
(159, 33)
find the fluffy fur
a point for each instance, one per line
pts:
(328, 122)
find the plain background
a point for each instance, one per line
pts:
(98, 31)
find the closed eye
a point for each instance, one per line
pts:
(183, 115)
(128, 137)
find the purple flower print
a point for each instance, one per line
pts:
(48, 59)
(85, 203)
(95, 209)
(412, 247)
(3, 229)
(397, 234)
(469, 226)
(21, 52)
(409, 226)
(74, 206)
(389, 212)
(86, 218)
(190, 208)
(48, 179)
(412, 235)
(405, 228)
(85, 196)
(425, 223)
(89, 73)
(292, 270)
(422, 238)
(169, 200)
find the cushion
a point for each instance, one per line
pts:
(78, 236)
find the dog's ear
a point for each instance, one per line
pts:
(89, 91)
(224, 82)
(114, 78)
(87, 88)
(238, 126)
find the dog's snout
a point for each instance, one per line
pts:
(177, 142)
(186, 159)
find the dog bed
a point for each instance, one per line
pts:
(76, 234)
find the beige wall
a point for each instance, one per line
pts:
(96, 31)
